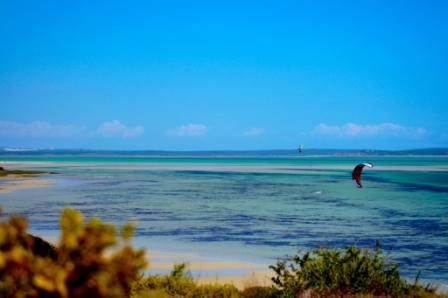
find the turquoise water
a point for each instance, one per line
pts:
(305, 160)
(255, 209)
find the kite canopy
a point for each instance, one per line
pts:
(356, 174)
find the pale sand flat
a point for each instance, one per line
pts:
(161, 260)
(243, 281)
(209, 265)
(254, 274)
(22, 183)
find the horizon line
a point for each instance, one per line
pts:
(28, 149)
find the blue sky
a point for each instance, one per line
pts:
(208, 75)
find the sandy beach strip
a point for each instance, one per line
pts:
(242, 281)
(15, 183)
(209, 265)
(213, 270)
(205, 270)
(249, 274)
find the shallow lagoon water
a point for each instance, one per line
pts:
(254, 209)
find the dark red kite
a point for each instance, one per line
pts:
(356, 174)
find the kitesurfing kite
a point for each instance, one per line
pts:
(356, 174)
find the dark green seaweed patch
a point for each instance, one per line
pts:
(22, 173)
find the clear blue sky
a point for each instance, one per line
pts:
(192, 75)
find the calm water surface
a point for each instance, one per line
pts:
(255, 209)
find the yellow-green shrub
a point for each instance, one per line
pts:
(179, 283)
(259, 291)
(351, 272)
(216, 291)
(80, 267)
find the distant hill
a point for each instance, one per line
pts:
(223, 153)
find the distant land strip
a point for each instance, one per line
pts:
(221, 153)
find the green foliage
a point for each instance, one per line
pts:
(348, 273)
(27, 173)
(215, 291)
(78, 267)
(179, 283)
(257, 292)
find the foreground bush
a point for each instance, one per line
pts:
(179, 283)
(352, 272)
(78, 267)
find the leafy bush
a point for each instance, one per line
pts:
(179, 283)
(78, 267)
(348, 273)
(215, 291)
(257, 292)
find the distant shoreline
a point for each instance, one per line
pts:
(312, 152)
(5, 157)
